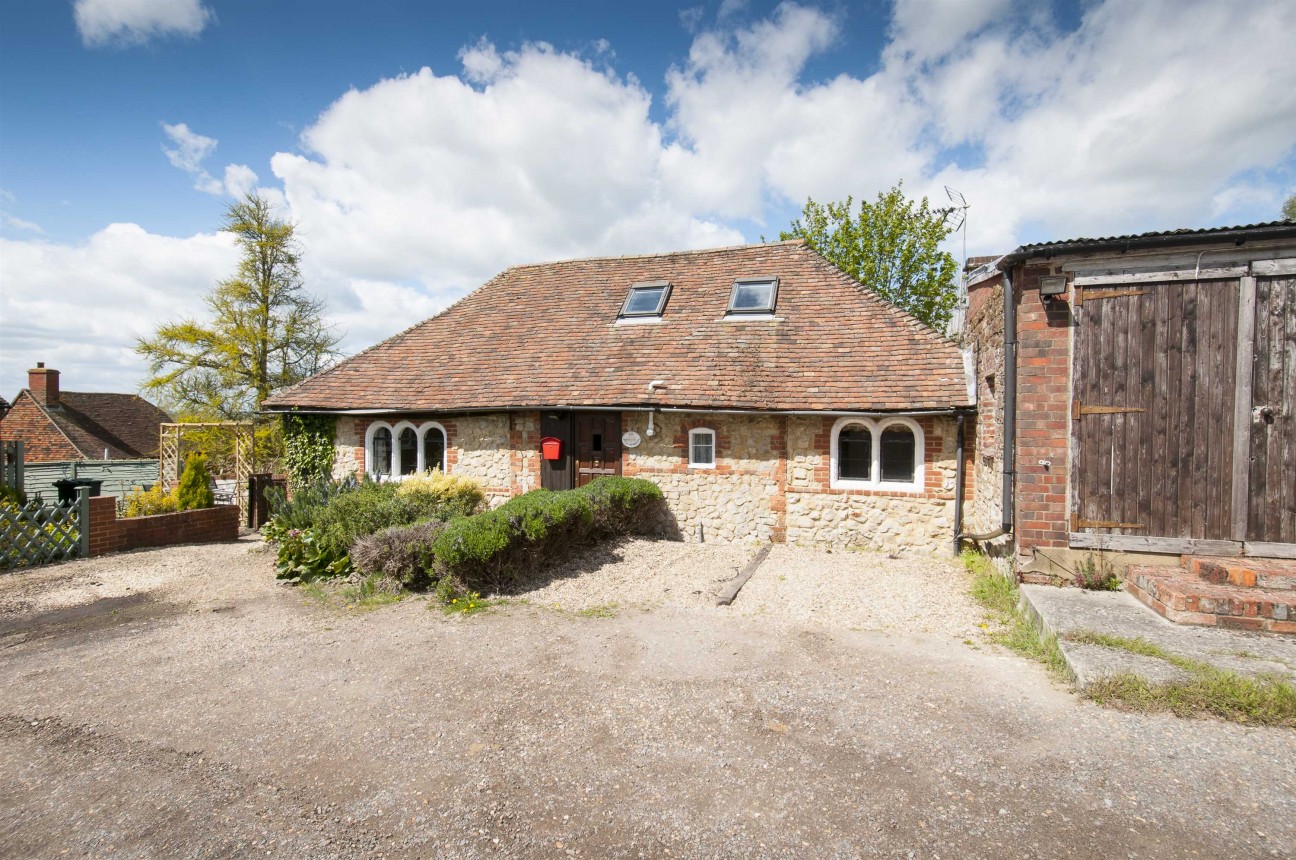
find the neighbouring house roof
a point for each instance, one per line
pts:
(547, 335)
(126, 425)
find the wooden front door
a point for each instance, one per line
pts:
(1184, 416)
(557, 474)
(598, 445)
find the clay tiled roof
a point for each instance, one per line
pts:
(124, 424)
(546, 335)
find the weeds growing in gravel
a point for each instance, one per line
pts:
(607, 610)
(1265, 700)
(1006, 624)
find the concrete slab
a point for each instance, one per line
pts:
(1062, 611)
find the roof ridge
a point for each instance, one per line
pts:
(661, 254)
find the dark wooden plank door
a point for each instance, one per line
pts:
(557, 474)
(598, 445)
(1271, 515)
(1153, 418)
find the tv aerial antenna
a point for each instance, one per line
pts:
(958, 218)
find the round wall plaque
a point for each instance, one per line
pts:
(630, 439)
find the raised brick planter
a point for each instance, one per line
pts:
(110, 534)
(1240, 594)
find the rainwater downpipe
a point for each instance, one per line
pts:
(1009, 429)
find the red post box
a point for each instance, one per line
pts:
(551, 448)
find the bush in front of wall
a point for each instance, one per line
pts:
(400, 553)
(495, 550)
(194, 489)
(151, 502)
(453, 495)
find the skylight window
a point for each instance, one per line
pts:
(754, 296)
(646, 300)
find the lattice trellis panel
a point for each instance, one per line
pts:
(38, 534)
(170, 464)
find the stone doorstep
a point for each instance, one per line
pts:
(1271, 574)
(1186, 598)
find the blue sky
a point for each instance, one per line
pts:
(423, 147)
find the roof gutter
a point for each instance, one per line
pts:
(831, 413)
(1238, 236)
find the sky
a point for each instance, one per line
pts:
(422, 147)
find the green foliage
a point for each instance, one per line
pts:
(401, 553)
(1207, 691)
(308, 448)
(194, 491)
(495, 549)
(1007, 624)
(324, 523)
(466, 603)
(1095, 572)
(12, 495)
(1289, 208)
(892, 247)
(151, 502)
(265, 333)
(302, 557)
(453, 495)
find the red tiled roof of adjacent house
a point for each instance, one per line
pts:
(547, 335)
(126, 425)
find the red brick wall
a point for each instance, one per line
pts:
(1043, 413)
(110, 534)
(42, 441)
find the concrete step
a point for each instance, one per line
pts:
(1266, 573)
(1185, 597)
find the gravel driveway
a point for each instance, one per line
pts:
(176, 702)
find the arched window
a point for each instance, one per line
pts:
(434, 447)
(379, 453)
(701, 448)
(855, 453)
(886, 454)
(393, 452)
(898, 454)
(409, 451)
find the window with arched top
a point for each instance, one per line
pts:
(702, 448)
(392, 452)
(877, 454)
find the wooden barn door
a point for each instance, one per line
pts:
(557, 474)
(1153, 411)
(1272, 440)
(598, 445)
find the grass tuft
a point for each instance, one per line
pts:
(1208, 691)
(1007, 624)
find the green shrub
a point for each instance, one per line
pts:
(301, 558)
(150, 502)
(494, 550)
(400, 553)
(194, 489)
(301, 510)
(453, 495)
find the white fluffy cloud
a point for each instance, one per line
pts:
(78, 308)
(1148, 115)
(134, 22)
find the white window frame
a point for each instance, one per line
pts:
(698, 431)
(420, 431)
(875, 428)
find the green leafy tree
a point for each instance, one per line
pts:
(1289, 208)
(194, 488)
(265, 330)
(892, 246)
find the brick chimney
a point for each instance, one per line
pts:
(44, 384)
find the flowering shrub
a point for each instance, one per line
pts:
(150, 502)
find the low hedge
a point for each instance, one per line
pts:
(400, 553)
(493, 550)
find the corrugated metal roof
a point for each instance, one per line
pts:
(1205, 232)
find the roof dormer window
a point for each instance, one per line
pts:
(753, 296)
(646, 300)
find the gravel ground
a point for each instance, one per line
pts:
(187, 706)
(793, 586)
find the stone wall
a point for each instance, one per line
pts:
(986, 335)
(770, 481)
